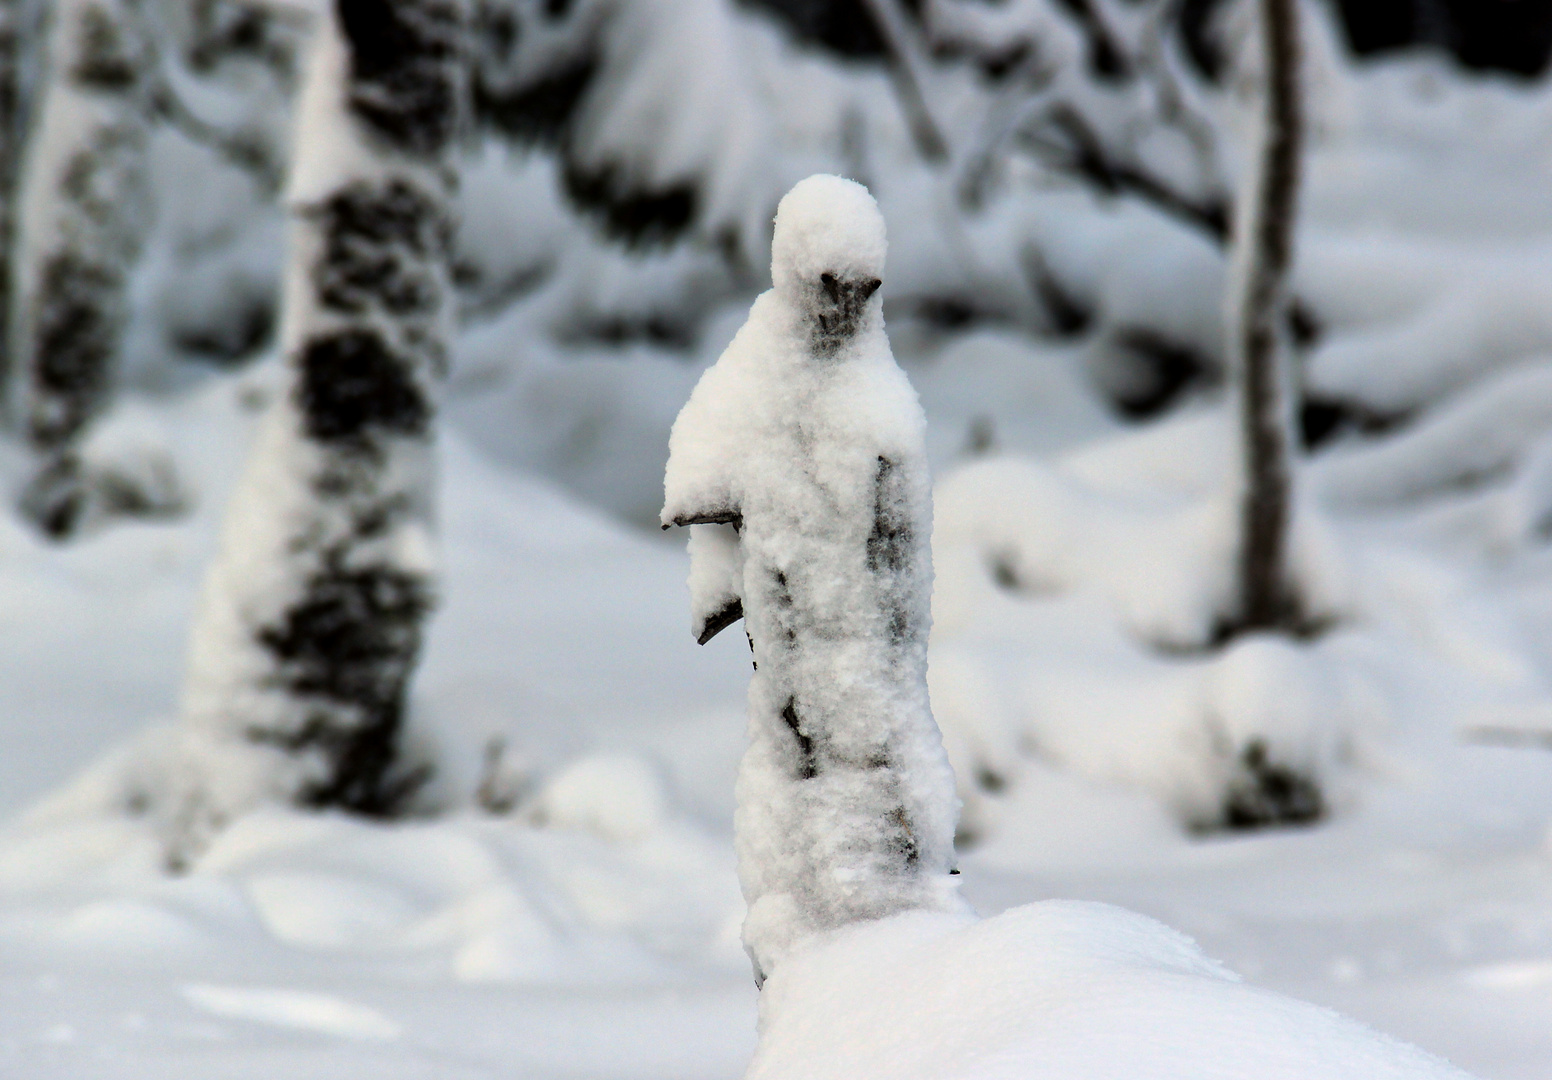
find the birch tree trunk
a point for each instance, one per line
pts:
(83, 208)
(313, 615)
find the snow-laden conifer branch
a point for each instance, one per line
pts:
(313, 615)
(1085, 98)
(808, 436)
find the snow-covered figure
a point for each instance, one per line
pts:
(800, 466)
(312, 617)
(83, 207)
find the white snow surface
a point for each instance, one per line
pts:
(1063, 989)
(593, 931)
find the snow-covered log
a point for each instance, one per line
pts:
(807, 439)
(313, 614)
(1258, 349)
(82, 213)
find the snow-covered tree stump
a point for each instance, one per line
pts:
(83, 204)
(800, 466)
(312, 617)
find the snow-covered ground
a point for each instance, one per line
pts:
(564, 905)
(593, 933)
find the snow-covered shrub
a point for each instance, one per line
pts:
(586, 338)
(313, 614)
(1105, 574)
(807, 440)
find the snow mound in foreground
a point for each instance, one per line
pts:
(1060, 989)
(469, 898)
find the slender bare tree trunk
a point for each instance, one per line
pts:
(1266, 597)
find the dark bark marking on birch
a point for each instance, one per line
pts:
(1266, 600)
(348, 645)
(381, 242)
(905, 839)
(352, 385)
(404, 57)
(889, 543)
(781, 597)
(75, 341)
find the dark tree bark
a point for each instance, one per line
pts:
(1266, 598)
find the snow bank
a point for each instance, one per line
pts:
(1061, 989)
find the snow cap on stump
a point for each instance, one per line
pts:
(826, 225)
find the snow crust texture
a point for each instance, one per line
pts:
(808, 440)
